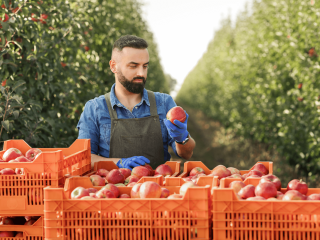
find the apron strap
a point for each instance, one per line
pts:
(112, 112)
(153, 105)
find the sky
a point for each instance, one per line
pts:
(183, 29)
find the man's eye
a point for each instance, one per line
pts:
(147, 66)
(132, 66)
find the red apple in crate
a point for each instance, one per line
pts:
(79, 192)
(233, 170)
(185, 186)
(97, 180)
(126, 172)
(315, 196)
(124, 195)
(237, 185)
(247, 191)
(236, 176)
(163, 170)
(175, 195)
(293, 195)
(102, 172)
(19, 171)
(279, 194)
(220, 171)
(19, 234)
(115, 176)
(140, 171)
(7, 221)
(119, 185)
(196, 171)
(150, 190)
(164, 193)
(149, 168)
(258, 198)
(135, 193)
(255, 172)
(245, 175)
(298, 185)
(30, 222)
(260, 167)
(105, 193)
(266, 190)
(11, 154)
(113, 189)
(187, 179)
(131, 179)
(22, 159)
(7, 171)
(131, 184)
(92, 190)
(273, 179)
(32, 153)
(176, 113)
(6, 234)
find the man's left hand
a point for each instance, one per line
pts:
(178, 131)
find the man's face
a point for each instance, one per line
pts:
(132, 69)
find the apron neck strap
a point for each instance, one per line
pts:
(112, 112)
(153, 105)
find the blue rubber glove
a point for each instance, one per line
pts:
(178, 130)
(132, 162)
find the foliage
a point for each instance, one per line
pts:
(58, 53)
(261, 78)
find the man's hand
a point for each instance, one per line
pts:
(178, 131)
(132, 162)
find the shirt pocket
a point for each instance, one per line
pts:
(164, 131)
(105, 133)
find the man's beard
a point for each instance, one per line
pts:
(133, 87)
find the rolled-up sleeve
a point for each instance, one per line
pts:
(88, 126)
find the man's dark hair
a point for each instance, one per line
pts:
(130, 41)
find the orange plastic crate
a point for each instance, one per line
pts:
(110, 165)
(125, 219)
(32, 232)
(263, 220)
(23, 194)
(189, 165)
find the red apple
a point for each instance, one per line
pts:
(79, 192)
(273, 179)
(97, 180)
(164, 193)
(247, 192)
(173, 196)
(236, 176)
(293, 195)
(266, 190)
(163, 170)
(7, 221)
(19, 171)
(187, 179)
(22, 159)
(131, 179)
(6, 18)
(140, 171)
(244, 175)
(131, 184)
(30, 222)
(298, 185)
(279, 194)
(315, 196)
(233, 170)
(255, 172)
(237, 185)
(185, 186)
(220, 171)
(150, 190)
(149, 168)
(7, 171)
(105, 193)
(126, 172)
(196, 171)
(135, 193)
(11, 154)
(86, 48)
(258, 198)
(102, 172)
(260, 167)
(32, 153)
(124, 195)
(92, 190)
(115, 176)
(19, 234)
(6, 234)
(92, 195)
(176, 113)
(113, 189)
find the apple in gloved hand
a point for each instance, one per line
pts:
(176, 113)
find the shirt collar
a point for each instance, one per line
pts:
(114, 100)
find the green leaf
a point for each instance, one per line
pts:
(18, 84)
(16, 113)
(17, 98)
(35, 103)
(6, 124)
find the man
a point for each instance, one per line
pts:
(128, 125)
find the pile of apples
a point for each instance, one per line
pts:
(14, 220)
(126, 177)
(15, 155)
(147, 189)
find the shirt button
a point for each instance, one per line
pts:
(136, 107)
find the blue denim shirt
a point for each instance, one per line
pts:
(95, 122)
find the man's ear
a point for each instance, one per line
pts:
(113, 65)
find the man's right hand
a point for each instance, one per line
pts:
(132, 162)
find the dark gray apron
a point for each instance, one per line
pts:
(137, 136)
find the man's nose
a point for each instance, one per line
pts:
(140, 71)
